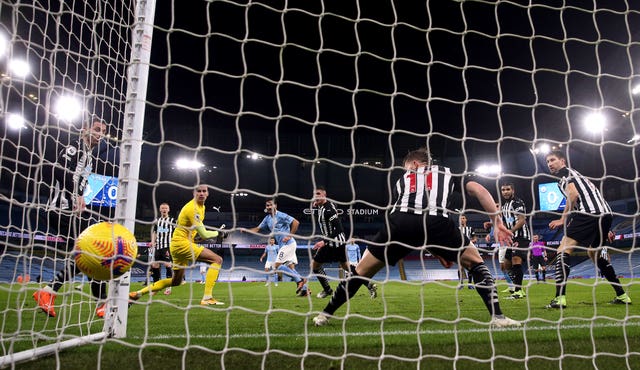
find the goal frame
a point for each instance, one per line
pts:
(115, 323)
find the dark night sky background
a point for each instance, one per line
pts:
(319, 88)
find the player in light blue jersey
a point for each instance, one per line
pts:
(353, 252)
(271, 252)
(353, 256)
(282, 227)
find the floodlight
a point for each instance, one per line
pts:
(15, 121)
(489, 169)
(19, 68)
(68, 108)
(188, 164)
(636, 90)
(595, 122)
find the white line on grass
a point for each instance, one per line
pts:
(392, 332)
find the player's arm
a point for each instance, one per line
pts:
(205, 234)
(264, 254)
(294, 228)
(519, 223)
(572, 197)
(154, 236)
(500, 232)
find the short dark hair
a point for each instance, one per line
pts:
(273, 200)
(320, 187)
(558, 153)
(509, 184)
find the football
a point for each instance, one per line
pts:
(105, 251)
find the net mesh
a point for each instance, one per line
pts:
(261, 99)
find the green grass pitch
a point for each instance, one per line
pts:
(429, 325)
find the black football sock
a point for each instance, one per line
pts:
(486, 287)
(99, 289)
(610, 274)
(562, 273)
(155, 274)
(345, 290)
(322, 279)
(517, 276)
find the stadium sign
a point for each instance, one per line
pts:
(348, 212)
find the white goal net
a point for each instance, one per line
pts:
(274, 99)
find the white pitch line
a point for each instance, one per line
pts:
(392, 332)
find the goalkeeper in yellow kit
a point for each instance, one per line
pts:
(185, 250)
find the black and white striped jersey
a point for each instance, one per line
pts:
(70, 177)
(511, 209)
(163, 228)
(330, 225)
(424, 191)
(589, 198)
(467, 231)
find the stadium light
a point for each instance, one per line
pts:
(188, 164)
(635, 138)
(543, 148)
(489, 169)
(19, 68)
(636, 90)
(595, 122)
(15, 121)
(68, 108)
(254, 156)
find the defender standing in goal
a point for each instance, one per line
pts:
(68, 176)
(418, 218)
(184, 249)
(332, 248)
(161, 233)
(587, 217)
(513, 216)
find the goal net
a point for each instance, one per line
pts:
(263, 99)
(72, 104)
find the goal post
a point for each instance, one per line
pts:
(107, 47)
(131, 147)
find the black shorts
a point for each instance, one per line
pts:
(162, 255)
(537, 261)
(328, 254)
(589, 230)
(439, 234)
(519, 248)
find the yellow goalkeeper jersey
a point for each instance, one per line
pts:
(190, 217)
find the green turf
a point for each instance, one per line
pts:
(410, 325)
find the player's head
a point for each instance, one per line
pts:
(94, 131)
(319, 196)
(507, 190)
(272, 241)
(201, 193)
(416, 158)
(271, 205)
(164, 209)
(536, 237)
(463, 220)
(556, 160)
